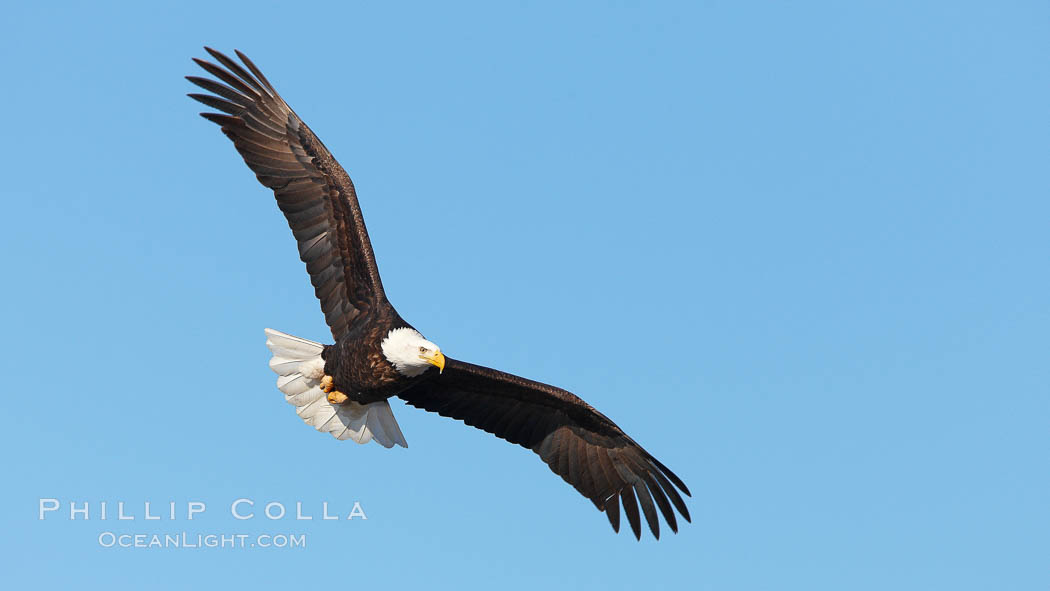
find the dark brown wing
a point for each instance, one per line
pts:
(312, 190)
(579, 443)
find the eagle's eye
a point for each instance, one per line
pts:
(422, 349)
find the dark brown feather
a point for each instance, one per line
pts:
(612, 511)
(648, 509)
(630, 507)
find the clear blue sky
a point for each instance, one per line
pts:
(798, 251)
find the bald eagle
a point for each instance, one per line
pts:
(343, 388)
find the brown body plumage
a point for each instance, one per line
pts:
(358, 367)
(318, 199)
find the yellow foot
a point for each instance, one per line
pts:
(334, 396)
(337, 397)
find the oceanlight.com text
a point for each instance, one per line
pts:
(184, 540)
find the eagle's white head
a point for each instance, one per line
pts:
(410, 353)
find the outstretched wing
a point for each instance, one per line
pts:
(314, 192)
(579, 443)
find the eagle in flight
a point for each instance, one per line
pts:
(343, 388)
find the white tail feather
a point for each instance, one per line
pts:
(300, 367)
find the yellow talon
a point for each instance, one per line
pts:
(334, 396)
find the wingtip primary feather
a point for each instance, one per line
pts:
(256, 72)
(216, 103)
(671, 475)
(612, 511)
(630, 507)
(220, 119)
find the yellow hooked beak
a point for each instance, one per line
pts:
(434, 358)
